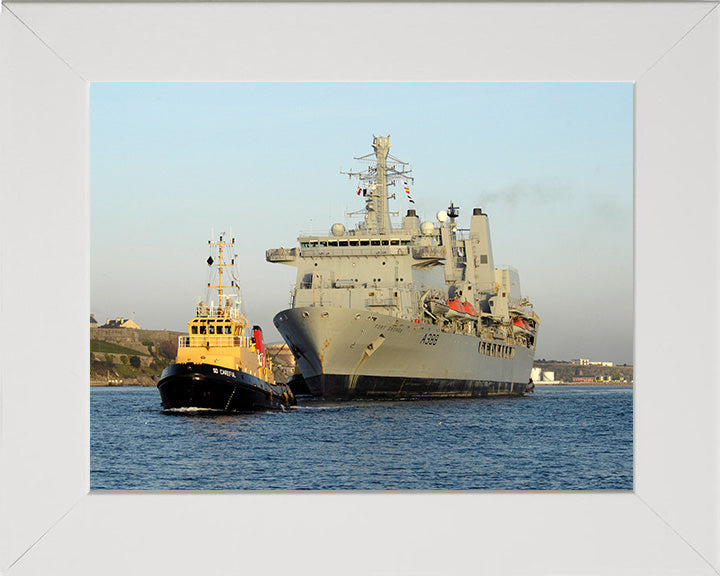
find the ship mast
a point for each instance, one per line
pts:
(379, 177)
(381, 145)
(220, 266)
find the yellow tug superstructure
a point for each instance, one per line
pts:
(222, 363)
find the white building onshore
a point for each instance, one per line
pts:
(587, 362)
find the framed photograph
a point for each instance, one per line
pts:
(416, 285)
(50, 521)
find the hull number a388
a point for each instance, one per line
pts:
(430, 339)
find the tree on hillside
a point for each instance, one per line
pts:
(134, 361)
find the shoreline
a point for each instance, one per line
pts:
(133, 383)
(103, 384)
(610, 383)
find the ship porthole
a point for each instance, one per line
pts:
(357, 316)
(305, 314)
(325, 314)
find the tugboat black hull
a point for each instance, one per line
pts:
(208, 387)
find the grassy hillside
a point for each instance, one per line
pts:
(102, 346)
(127, 357)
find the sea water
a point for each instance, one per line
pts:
(560, 438)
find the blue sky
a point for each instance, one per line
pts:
(550, 163)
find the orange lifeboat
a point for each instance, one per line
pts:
(520, 323)
(463, 307)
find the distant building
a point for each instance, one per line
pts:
(539, 375)
(93, 322)
(120, 323)
(587, 362)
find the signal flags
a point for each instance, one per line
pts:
(407, 191)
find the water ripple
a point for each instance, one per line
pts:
(562, 438)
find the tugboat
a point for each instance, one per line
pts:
(222, 364)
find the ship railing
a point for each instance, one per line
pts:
(380, 301)
(281, 254)
(204, 310)
(428, 252)
(317, 251)
(205, 340)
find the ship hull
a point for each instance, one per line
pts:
(342, 387)
(354, 353)
(208, 387)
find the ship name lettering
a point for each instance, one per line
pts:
(390, 328)
(224, 372)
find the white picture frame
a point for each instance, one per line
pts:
(51, 523)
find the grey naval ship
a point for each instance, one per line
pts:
(410, 311)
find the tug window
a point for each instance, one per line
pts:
(228, 329)
(211, 329)
(193, 329)
(202, 329)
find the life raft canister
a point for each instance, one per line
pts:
(259, 344)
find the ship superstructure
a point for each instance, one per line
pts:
(415, 310)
